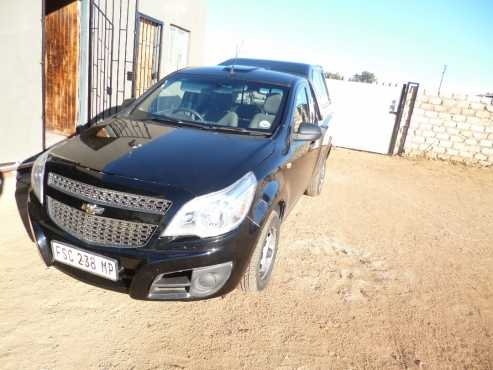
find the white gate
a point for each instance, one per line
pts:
(363, 115)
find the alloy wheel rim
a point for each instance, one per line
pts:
(267, 253)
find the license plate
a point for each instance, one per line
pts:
(86, 261)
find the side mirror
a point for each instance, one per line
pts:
(308, 132)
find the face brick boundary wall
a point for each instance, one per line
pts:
(452, 127)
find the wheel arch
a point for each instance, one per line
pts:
(269, 197)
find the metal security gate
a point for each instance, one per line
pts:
(404, 114)
(363, 115)
(110, 55)
(147, 55)
(370, 117)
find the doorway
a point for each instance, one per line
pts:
(147, 53)
(61, 56)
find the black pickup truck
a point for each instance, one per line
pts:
(181, 195)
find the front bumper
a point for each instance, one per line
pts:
(139, 267)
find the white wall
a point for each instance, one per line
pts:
(20, 79)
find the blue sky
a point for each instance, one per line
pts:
(398, 41)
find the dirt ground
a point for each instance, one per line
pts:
(392, 267)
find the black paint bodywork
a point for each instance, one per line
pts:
(179, 163)
(300, 69)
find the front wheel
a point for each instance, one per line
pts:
(259, 270)
(317, 182)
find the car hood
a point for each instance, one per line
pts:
(195, 160)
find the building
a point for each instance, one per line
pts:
(69, 62)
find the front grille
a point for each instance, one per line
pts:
(99, 230)
(108, 197)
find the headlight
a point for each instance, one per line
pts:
(37, 175)
(216, 213)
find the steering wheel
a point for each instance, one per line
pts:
(192, 112)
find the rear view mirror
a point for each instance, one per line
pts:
(308, 132)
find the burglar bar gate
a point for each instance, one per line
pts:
(110, 55)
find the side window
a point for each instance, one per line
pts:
(301, 111)
(320, 88)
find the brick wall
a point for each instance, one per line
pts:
(455, 127)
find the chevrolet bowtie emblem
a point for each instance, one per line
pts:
(92, 209)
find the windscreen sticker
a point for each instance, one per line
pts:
(264, 124)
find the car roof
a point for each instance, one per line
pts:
(300, 69)
(246, 73)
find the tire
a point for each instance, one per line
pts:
(256, 276)
(317, 182)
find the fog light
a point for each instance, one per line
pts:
(208, 280)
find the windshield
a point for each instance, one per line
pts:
(214, 103)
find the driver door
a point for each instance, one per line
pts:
(302, 154)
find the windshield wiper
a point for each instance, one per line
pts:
(177, 122)
(206, 126)
(238, 130)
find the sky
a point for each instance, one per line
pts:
(397, 40)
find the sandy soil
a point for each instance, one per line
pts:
(392, 267)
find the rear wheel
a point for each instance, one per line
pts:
(259, 270)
